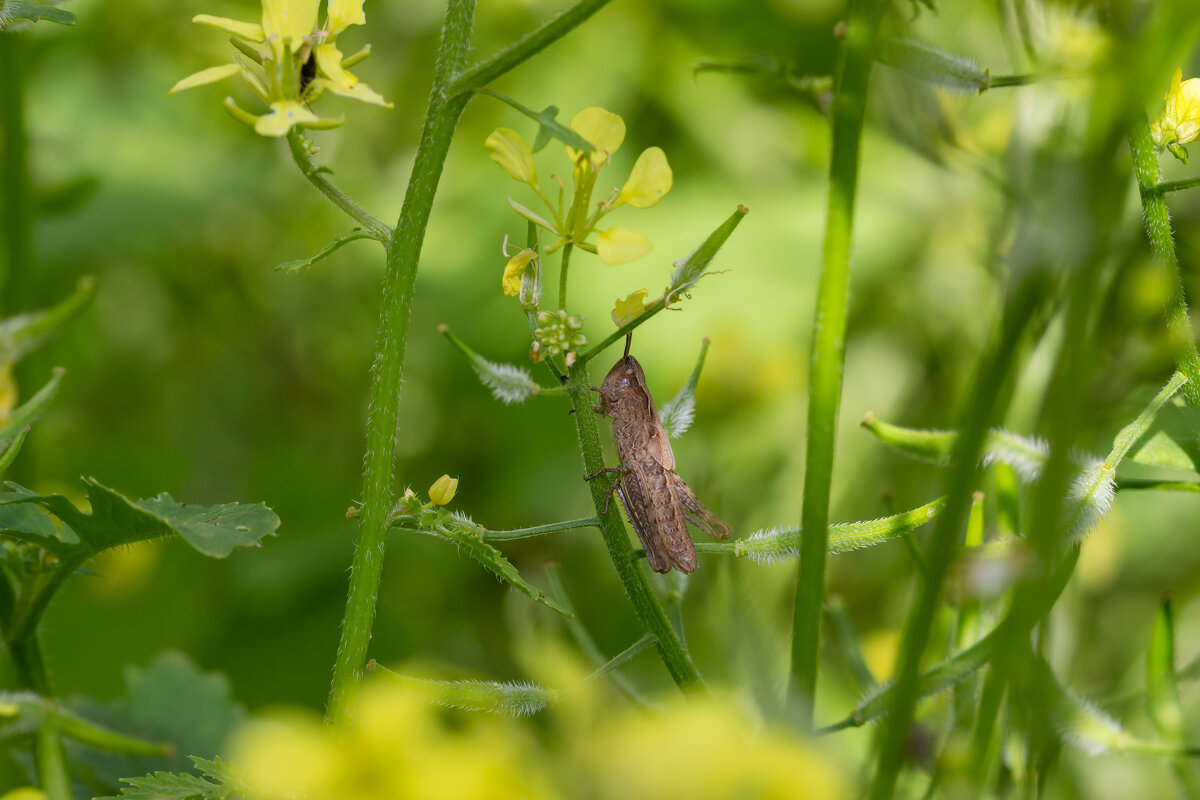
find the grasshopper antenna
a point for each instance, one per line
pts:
(628, 343)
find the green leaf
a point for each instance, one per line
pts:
(548, 125)
(776, 544)
(329, 249)
(509, 383)
(464, 532)
(170, 786)
(689, 270)
(26, 414)
(25, 332)
(676, 414)
(24, 9)
(1173, 441)
(115, 520)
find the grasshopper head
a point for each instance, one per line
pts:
(624, 391)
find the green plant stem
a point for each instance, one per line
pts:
(53, 775)
(298, 145)
(1155, 484)
(1001, 81)
(620, 658)
(518, 52)
(403, 255)
(447, 98)
(1157, 221)
(979, 411)
(563, 268)
(538, 530)
(16, 208)
(829, 344)
(1164, 187)
(631, 574)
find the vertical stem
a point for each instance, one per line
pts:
(15, 208)
(631, 573)
(1157, 220)
(403, 256)
(829, 344)
(562, 275)
(53, 775)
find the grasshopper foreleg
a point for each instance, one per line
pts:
(608, 496)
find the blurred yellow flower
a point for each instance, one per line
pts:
(508, 149)
(24, 793)
(621, 245)
(292, 63)
(443, 490)
(1179, 122)
(629, 309)
(650, 179)
(8, 391)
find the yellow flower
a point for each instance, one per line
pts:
(629, 309)
(603, 129)
(510, 150)
(443, 490)
(650, 179)
(513, 271)
(8, 391)
(1179, 122)
(294, 62)
(617, 246)
(24, 793)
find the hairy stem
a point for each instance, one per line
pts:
(829, 344)
(1157, 220)
(299, 145)
(403, 256)
(563, 269)
(632, 575)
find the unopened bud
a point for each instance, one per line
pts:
(443, 490)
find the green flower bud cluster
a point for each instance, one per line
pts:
(558, 332)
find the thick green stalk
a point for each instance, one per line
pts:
(16, 217)
(632, 575)
(829, 343)
(979, 410)
(1157, 220)
(403, 255)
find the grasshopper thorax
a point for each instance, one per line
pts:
(624, 395)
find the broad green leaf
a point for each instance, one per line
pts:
(462, 531)
(325, 252)
(25, 332)
(26, 414)
(115, 520)
(1173, 441)
(168, 700)
(776, 544)
(689, 270)
(509, 383)
(170, 786)
(676, 414)
(26, 9)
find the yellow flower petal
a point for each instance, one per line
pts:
(344, 13)
(650, 179)
(289, 19)
(329, 61)
(286, 757)
(24, 793)
(284, 114)
(510, 150)
(621, 245)
(629, 309)
(1179, 122)
(603, 129)
(250, 31)
(359, 91)
(205, 76)
(513, 271)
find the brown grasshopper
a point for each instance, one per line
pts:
(657, 500)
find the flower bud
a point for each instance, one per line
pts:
(443, 490)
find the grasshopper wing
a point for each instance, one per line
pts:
(697, 513)
(634, 498)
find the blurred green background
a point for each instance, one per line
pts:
(203, 372)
